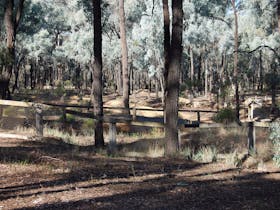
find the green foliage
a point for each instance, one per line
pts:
(88, 126)
(60, 90)
(275, 138)
(70, 118)
(68, 83)
(226, 115)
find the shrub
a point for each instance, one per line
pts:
(226, 115)
(206, 154)
(88, 126)
(68, 83)
(275, 137)
(187, 153)
(60, 90)
(232, 159)
(70, 118)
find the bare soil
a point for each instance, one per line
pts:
(49, 174)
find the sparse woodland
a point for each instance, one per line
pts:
(205, 74)
(216, 48)
(219, 49)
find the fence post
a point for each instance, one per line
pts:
(112, 137)
(251, 138)
(39, 119)
(179, 139)
(1, 111)
(63, 109)
(198, 117)
(134, 113)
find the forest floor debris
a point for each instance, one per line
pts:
(89, 180)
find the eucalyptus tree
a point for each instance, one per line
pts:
(12, 16)
(234, 4)
(97, 73)
(172, 78)
(124, 57)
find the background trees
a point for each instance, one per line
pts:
(54, 42)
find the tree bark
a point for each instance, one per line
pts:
(192, 66)
(11, 24)
(166, 28)
(172, 80)
(124, 58)
(97, 87)
(260, 86)
(206, 78)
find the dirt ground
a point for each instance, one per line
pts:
(49, 174)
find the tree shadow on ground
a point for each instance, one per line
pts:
(77, 164)
(248, 192)
(135, 183)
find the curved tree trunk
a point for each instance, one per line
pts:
(97, 87)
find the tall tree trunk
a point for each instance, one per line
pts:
(273, 81)
(166, 28)
(11, 19)
(278, 15)
(206, 78)
(172, 80)
(124, 58)
(260, 87)
(10, 34)
(199, 73)
(235, 71)
(192, 66)
(97, 87)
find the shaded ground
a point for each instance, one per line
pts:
(49, 174)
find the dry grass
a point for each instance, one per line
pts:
(25, 130)
(206, 154)
(72, 138)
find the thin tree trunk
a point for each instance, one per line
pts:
(97, 74)
(260, 72)
(278, 14)
(192, 66)
(206, 78)
(166, 20)
(235, 73)
(172, 80)
(124, 57)
(199, 74)
(120, 80)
